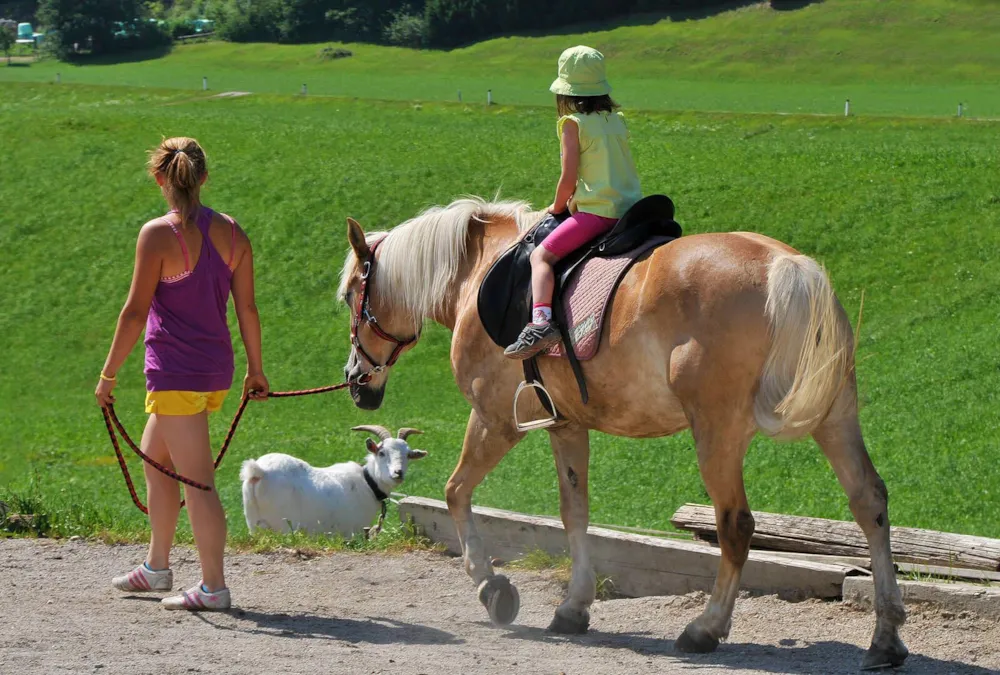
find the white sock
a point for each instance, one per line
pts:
(541, 313)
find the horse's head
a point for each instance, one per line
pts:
(380, 333)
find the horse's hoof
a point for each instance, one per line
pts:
(501, 599)
(885, 656)
(696, 640)
(576, 623)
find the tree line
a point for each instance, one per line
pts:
(114, 25)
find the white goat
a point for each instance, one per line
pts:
(283, 493)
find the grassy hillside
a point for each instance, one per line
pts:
(907, 211)
(911, 57)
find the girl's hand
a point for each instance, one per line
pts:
(103, 392)
(256, 387)
(556, 210)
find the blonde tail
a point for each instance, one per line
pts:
(812, 353)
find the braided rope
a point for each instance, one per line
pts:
(112, 422)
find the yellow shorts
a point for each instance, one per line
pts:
(184, 402)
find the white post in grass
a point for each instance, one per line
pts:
(58, 78)
(489, 97)
(959, 109)
(305, 89)
(204, 84)
(847, 107)
(459, 95)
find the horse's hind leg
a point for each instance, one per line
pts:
(721, 445)
(482, 450)
(842, 443)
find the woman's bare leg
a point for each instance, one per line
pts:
(187, 439)
(164, 497)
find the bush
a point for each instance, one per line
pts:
(101, 26)
(406, 30)
(333, 53)
(8, 36)
(310, 20)
(255, 22)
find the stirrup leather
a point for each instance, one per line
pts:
(542, 423)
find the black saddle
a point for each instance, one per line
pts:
(504, 301)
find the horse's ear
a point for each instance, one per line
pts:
(356, 236)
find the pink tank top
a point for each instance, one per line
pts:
(188, 345)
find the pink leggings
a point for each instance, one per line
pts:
(576, 231)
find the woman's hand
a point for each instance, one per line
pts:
(556, 210)
(256, 386)
(103, 392)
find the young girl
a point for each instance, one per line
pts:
(186, 264)
(598, 183)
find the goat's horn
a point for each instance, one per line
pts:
(383, 433)
(406, 431)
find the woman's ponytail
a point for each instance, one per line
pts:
(181, 163)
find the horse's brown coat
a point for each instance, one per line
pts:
(691, 337)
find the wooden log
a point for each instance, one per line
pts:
(962, 573)
(861, 565)
(638, 565)
(864, 565)
(835, 537)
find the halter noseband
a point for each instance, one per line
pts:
(363, 310)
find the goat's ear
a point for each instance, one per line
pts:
(371, 445)
(416, 454)
(356, 236)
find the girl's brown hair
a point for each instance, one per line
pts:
(181, 162)
(567, 105)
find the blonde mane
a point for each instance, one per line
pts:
(419, 259)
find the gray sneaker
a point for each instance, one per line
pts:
(534, 339)
(144, 580)
(197, 600)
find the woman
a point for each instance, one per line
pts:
(187, 263)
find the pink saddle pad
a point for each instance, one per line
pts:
(588, 295)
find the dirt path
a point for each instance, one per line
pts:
(414, 613)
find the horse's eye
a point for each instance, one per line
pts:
(381, 454)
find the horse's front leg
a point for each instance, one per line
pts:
(482, 450)
(571, 448)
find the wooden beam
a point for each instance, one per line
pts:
(835, 537)
(638, 565)
(962, 573)
(982, 601)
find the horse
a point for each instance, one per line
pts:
(728, 334)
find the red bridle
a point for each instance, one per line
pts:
(363, 310)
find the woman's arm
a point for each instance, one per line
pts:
(132, 320)
(570, 143)
(246, 312)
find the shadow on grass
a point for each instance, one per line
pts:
(375, 630)
(136, 56)
(793, 657)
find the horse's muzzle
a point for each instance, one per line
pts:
(366, 397)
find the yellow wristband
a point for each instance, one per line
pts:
(108, 379)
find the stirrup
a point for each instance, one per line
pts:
(542, 423)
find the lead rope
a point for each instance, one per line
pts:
(110, 418)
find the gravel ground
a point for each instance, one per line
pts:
(413, 613)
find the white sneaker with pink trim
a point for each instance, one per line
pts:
(144, 580)
(198, 600)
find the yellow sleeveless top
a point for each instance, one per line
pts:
(607, 183)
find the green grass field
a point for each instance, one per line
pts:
(893, 57)
(905, 210)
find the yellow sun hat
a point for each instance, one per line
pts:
(581, 73)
